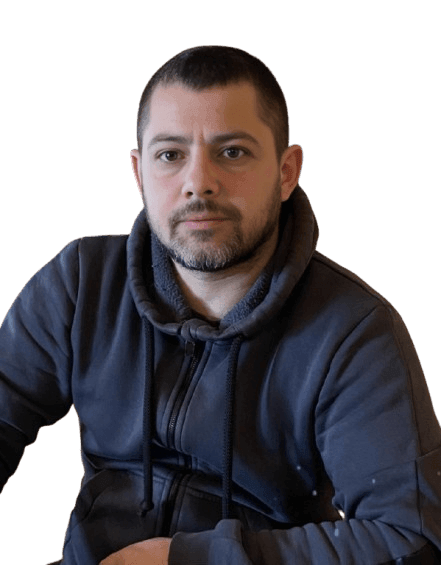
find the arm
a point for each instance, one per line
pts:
(35, 357)
(380, 444)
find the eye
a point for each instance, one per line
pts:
(235, 153)
(168, 156)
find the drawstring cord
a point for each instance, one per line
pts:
(147, 503)
(229, 428)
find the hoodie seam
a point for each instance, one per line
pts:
(342, 341)
(418, 498)
(348, 275)
(409, 380)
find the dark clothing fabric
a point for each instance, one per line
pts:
(242, 440)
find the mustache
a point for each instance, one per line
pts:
(204, 206)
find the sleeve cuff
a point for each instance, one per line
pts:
(221, 546)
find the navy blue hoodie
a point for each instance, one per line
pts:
(299, 429)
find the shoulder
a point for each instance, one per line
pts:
(338, 297)
(101, 245)
(82, 259)
(338, 277)
(92, 252)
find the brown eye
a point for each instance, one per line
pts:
(168, 156)
(235, 153)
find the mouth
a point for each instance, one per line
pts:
(205, 219)
(203, 223)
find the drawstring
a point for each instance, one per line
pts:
(147, 503)
(229, 428)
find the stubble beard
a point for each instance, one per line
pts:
(197, 252)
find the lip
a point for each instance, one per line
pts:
(203, 223)
(205, 219)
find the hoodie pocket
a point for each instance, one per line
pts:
(106, 517)
(198, 508)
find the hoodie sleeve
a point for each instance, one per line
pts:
(35, 357)
(380, 443)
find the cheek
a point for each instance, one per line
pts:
(251, 190)
(162, 213)
(245, 185)
(271, 170)
(156, 207)
(240, 203)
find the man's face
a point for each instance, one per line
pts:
(210, 176)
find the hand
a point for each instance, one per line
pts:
(150, 552)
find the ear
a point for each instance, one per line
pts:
(290, 167)
(135, 156)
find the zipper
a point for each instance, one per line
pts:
(169, 505)
(194, 350)
(178, 480)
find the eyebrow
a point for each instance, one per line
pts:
(220, 138)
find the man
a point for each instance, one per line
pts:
(242, 398)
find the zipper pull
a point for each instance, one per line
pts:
(190, 346)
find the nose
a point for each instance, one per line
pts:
(200, 180)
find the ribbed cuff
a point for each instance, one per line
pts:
(191, 549)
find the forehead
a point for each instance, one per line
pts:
(177, 109)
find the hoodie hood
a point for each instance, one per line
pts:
(158, 298)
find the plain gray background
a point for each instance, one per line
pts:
(362, 85)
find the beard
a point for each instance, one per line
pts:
(198, 251)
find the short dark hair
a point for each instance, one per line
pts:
(203, 67)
